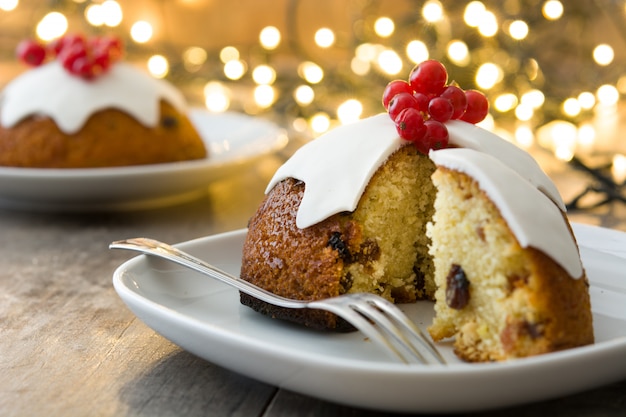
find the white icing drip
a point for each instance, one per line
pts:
(70, 100)
(530, 214)
(467, 135)
(337, 166)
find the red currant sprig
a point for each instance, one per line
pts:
(80, 56)
(421, 106)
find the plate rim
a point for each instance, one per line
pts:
(527, 366)
(19, 186)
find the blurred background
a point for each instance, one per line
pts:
(553, 71)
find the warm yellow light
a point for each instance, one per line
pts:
(8, 5)
(264, 75)
(390, 62)
(366, 51)
(607, 95)
(158, 66)
(586, 100)
(53, 25)
(417, 51)
(359, 67)
(432, 11)
(586, 137)
(141, 31)
(618, 168)
(524, 112)
(488, 75)
(300, 124)
(229, 53)
(324, 38)
(552, 9)
(194, 57)
(560, 136)
(320, 123)
(264, 95)
(458, 52)
(349, 111)
(269, 38)
(505, 102)
(518, 29)
(384, 27)
(234, 69)
(571, 107)
(304, 95)
(216, 97)
(603, 54)
(311, 72)
(533, 99)
(524, 137)
(94, 15)
(112, 13)
(488, 25)
(473, 13)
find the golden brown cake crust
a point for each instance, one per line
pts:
(378, 248)
(108, 138)
(288, 261)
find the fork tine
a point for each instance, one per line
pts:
(408, 331)
(363, 323)
(386, 327)
(384, 323)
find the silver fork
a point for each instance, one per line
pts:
(379, 319)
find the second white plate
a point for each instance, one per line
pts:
(233, 140)
(204, 317)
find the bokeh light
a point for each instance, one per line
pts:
(141, 31)
(270, 37)
(158, 66)
(53, 25)
(324, 38)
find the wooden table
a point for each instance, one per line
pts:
(70, 347)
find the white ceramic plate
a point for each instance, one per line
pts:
(233, 140)
(204, 317)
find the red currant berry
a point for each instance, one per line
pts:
(400, 102)
(410, 125)
(83, 67)
(101, 61)
(66, 42)
(69, 55)
(440, 109)
(111, 45)
(437, 134)
(457, 98)
(477, 107)
(393, 88)
(422, 102)
(31, 52)
(429, 77)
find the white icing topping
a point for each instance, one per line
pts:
(467, 135)
(337, 166)
(530, 214)
(69, 100)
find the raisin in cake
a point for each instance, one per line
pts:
(360, 210)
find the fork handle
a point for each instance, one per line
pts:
(165, 251)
